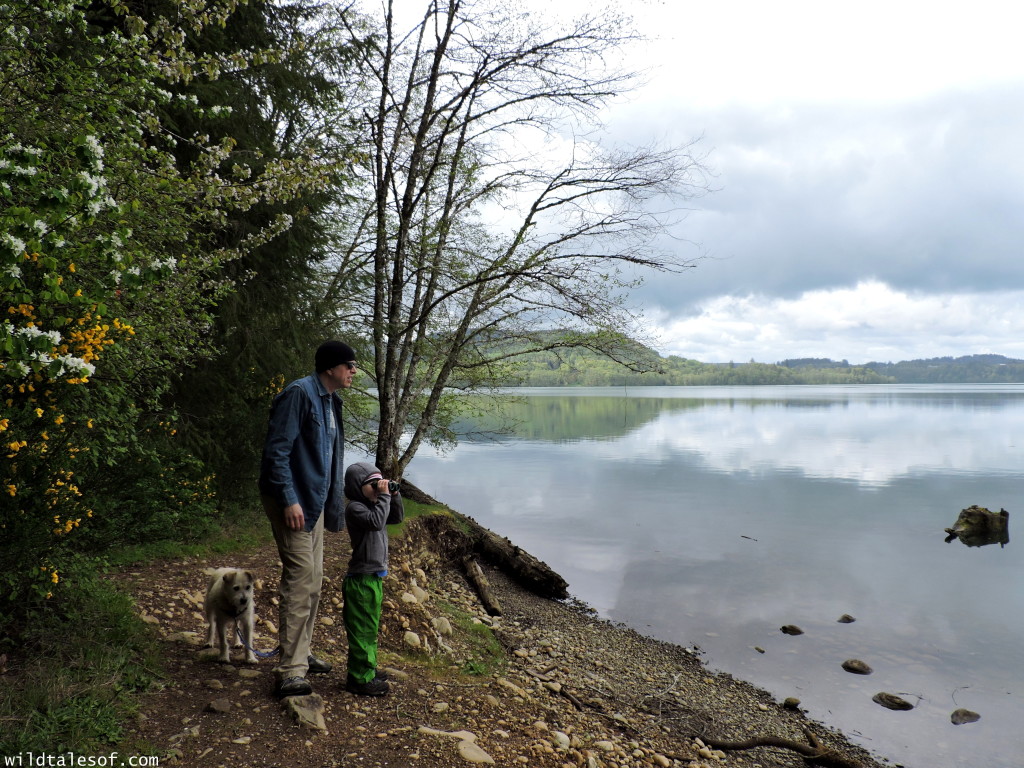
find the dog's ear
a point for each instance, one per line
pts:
(248, 575)
(229, 577)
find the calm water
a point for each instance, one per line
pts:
(711, 516)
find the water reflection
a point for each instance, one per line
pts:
(714, 518)
(863, 436)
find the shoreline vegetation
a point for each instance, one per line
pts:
(645, 367)
(542, 682)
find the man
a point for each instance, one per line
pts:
(302, 485)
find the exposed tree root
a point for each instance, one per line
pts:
(814, 753)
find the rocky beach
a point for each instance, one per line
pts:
(546, 683)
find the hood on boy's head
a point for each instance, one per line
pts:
(356, 476)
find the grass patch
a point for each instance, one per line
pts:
(74, 669)
(485, 656)
(413, 509)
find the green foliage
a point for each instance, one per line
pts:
(971, 369)
(112, 263)
(71, 689)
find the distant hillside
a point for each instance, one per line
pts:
(972, 369)
(586, 368)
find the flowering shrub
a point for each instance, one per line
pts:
(106, 273)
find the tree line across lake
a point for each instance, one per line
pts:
(582, 367)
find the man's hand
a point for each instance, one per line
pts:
(293, 517)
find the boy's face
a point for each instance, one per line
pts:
(370, 490)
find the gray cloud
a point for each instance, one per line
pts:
(923, 195)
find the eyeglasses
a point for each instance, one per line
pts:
(350, 366)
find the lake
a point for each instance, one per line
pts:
(711, 516)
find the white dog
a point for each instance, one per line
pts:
(229, 606)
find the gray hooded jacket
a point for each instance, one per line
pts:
(367, 522)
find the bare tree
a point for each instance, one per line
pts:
(493, 224)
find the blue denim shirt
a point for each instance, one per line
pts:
(298, 464)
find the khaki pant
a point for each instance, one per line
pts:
(302, 576)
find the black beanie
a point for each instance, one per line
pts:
(332, 353)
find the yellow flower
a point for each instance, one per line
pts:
(71, 267)
(59, 419)
(89, 423)
(39, 413)
(54, 577)
(12, 490)
(4, 423)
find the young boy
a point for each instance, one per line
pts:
(371, 508)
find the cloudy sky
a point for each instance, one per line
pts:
(869, 167)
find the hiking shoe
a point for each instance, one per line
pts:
(375, 687)
(318, 666)
(378, 674)
(293, 686)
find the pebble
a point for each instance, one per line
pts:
(846, 619)
(220, 706)
(411, 639)
(442, 626)
(857, 667)
(961, 716)
(471, 752)
(891, 701)
(791, 629)
(327, 621)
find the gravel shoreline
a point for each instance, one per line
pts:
(555, 687)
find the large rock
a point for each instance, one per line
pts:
(307, 710)
(977, 526)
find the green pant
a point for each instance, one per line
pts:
(364, 597)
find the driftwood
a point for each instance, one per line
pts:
(459, 537)
(813, 753)
(520, 564)
(483, 587)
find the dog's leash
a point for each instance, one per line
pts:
(260, 654)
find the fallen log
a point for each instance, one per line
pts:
(482, 586)
(459, 536)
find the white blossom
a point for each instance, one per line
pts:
(15, 244)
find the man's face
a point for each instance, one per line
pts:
(340, 376)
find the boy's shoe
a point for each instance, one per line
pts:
(375, 687)
(318, 666)
(378, 674)
(293, 686)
